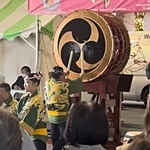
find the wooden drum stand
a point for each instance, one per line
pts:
(107, 90)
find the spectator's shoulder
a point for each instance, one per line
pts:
(24, 95)
(20, 77)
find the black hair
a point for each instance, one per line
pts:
(56, 72)
(140, 142)
(10, 134)
(147, 117)
(6, 86)
(26, 68)
(87, 124)
(35, 77)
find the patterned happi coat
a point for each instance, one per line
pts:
(9, 104)
(31, 112)
(57, 98)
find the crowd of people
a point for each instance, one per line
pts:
(83, 125)
(27, 128)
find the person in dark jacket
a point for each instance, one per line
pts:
(19, 83)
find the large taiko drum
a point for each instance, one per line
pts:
(99, 42)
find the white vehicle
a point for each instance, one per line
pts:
(139, 57)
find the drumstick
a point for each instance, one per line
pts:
(70, 60)
(82, 59)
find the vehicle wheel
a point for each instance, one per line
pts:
(145, 96)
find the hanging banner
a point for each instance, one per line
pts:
(67, 6)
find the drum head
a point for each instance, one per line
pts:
(88, 33)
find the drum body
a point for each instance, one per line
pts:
(101, 37)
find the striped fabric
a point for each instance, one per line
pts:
(15, 20)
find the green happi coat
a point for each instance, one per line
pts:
(9, 104)
(31, 112)
(57, 98)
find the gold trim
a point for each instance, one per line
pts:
(56, 113)
(26, 127)
(42, 131)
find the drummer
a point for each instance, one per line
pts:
(57, 90)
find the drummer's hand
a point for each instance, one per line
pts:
(82, 74)
(67, 73)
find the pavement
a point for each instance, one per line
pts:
(132, 114)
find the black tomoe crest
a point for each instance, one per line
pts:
(86, 31)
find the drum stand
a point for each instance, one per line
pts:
(107, 90)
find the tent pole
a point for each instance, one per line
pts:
(28, 42)
(37, 43)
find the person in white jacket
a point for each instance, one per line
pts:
(87, 127)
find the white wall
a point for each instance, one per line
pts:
(128, 20)
(14, 55)
(146, 21)
(47, 60)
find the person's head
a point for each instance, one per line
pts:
(10, 134)
(57, 73)
(32, 81)
(25, 70)
(87, 124)
(140, 142)
(4, 91)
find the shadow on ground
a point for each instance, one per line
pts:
(126, 106)
(132, 116)
(126, 127)
(131, 125)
